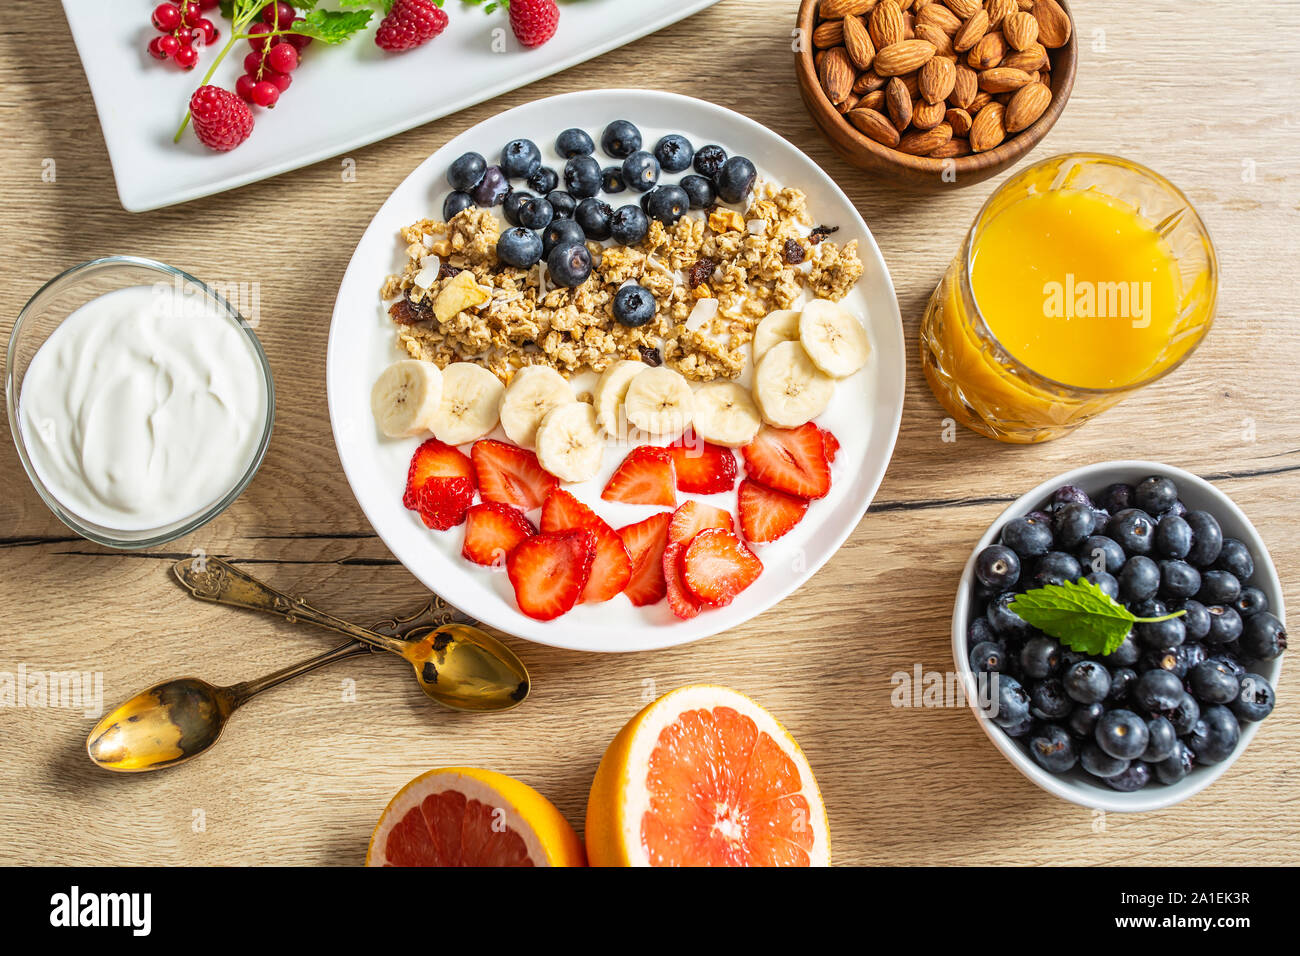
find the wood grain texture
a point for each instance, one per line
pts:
(303, 773)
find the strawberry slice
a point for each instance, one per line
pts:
(765, 514)
(693, 517)
(510, 475)
(683, 603)
(717, 566)
(702, 468)
(491, 532)
(550, 571)
(645, 542)
(644, 478)
(832, 445)
(433, 459)
(792, 460)
(442, 502)
(612, 568)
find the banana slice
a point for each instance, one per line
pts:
(569, 444)
(659, 401)
(726, 415)
(471, 396)
(789, 389)
(405, 398)
(534, 391)
(833, 338)
(779, 326)
(610, 392)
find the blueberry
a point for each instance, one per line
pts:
(582, 177)
(645, 200)
(1234, 666)
(520, 158)
(561, 231)
(1100, 553)
(620, 139)
(1070, 657)
(612, 181)
(1020, 728)
(1049, 701)
(1191, 655)
(1234, 557)
(1213, 683)
(1178, 509)
(1219, 587)
(1173, 537)
(1056, 567)
(1161, 738)
(1225, 625)
(1052, 749)
(1013, 702)
(1028, 536)
(562, 203)
(641, 171)
(1155, 495)
(709, 160)
(980, 630)
(1149, 607)
(1122, 734)
(1207, 538)
(997, 567)
(1116, 498)
(1042, 516)
(700, 190)
(629, 225)
(1177, 766)
(1215, 735)
(574, 142)
(1099, 763)
(492, 189)
(988, 657)
(674, 153)
(1126, 655)
(1196, 619)
(1133, 530)
(634, 306)
(466, 172)
(1185, 714)
(1005, 621)
(1263, 637)
(513, 203)
(544, 180)
(1134, 778)
(1251, 601)
(1072, 523)
(594, 215)
(1178, 579)
(519, 247)
(735, 181)
(1122, 682)
(1083, 719)
(1139, 579)
(1158, 692)
(668, 204)
(1040, 657)
(536, 213)
(455, 203)
(1106, 583)
(569, 264)
(1256, 699)
(1087, 682)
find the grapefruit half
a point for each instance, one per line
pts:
(705, 777)
(460, 816)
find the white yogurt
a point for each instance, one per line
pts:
(143, 408)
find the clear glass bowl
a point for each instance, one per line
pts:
(58, 299)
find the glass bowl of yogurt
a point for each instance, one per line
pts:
(139, 398)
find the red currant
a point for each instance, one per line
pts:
(190, 12)
(282, 57)
(169, 45)
(155, 47)
(255, 39)
(166, 17)
(244, 87)
(253, 64)
(299, 41)
(209, 4)
(280, 81)
(187, 57)
(265, 94)
(277, 14)
(209, 31)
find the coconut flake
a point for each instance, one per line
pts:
(430, 267)
(756, 227)
(704, 312)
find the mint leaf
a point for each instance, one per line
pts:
(332, 26)
(1078, 614)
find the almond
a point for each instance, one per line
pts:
(965, 86)
(869, 82)
(837, 74)
(923, 142)
(832, 9)
(936, 79)
(963, 8)
(988, 53)
(875, 125)
(1053, 23)
(886, 24)
(1026, 106)
(857, 41)
(904, 57)
(850, 103)
(875, 100)
(909, 26)
(986, 130)
(997, 10)
(1003, 80)
(928, 115)
(953, 148)
(971, 32)
(936, 14)
(959, 120)
(829, 33)
(981, 100)
(899, 104)
(932, 34)
(1021, 30)
(1033, 57)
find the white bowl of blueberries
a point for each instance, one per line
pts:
(1108, 714)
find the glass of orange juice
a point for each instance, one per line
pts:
(1084, 278)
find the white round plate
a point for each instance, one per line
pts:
(864, 414)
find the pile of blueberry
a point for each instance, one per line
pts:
(1171, 697)
(554, 223)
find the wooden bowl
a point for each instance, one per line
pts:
(923, 171)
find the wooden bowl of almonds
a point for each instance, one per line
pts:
(935, 93)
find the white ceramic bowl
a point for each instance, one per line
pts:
(1076, 785)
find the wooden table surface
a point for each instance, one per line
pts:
(305, 771)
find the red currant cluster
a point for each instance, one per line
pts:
(184, 31)
(273, 58)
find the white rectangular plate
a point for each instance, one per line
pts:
(342, 97)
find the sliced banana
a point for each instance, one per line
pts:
(659, 402)
(726, 415)
(534, 391)
(789, 389)
(610, 392)
(471, 396)
(405, 398)
(779, 326)
(569, 443)
(833, 338)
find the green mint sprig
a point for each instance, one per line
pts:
(1080, 615)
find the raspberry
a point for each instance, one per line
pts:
(409, 24)
(221, 119)
(534, 21)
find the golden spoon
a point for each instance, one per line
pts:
(457, 665)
